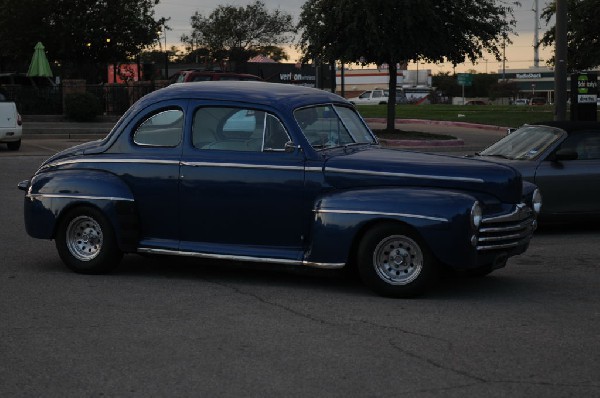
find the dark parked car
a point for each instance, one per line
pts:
(273, 173)
(562, 159)
(538, 101)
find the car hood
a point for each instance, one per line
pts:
(377, 167)
(525, 167)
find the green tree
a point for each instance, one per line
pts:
(583, 37)
(393, 32)
(76, 32)
(238, 33)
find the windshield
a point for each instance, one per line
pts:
(328, 126)
(527, 143)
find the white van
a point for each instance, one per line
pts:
(11, 128)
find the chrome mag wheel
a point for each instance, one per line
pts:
(84, 238)
(398, 260)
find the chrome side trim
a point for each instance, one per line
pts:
(392, 174)
(113, 160)
(213, 256)
(379, 213)
(75, 196)
(242, 166)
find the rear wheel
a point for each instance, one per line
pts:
(395, 262)
(86, 242)
(14, 146)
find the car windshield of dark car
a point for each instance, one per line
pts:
(527, 143)
(328, 126)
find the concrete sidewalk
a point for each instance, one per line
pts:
(42, 126)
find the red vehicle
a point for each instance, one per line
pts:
(196, 75)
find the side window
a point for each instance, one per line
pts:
(163, 129)
(275, 135)
(237, 129)
(377, 94)
(586, 144)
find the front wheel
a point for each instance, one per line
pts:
(395, 262)
(86, 242)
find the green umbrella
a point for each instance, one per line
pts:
(39, 63)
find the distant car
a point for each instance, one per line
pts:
(11, 128)
(538, 101)
(195, 75)
(275, 173)
(521, 101)
(475, 102)
(562, 159)
(371, 97)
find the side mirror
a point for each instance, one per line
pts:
(510, 130)
(564, 154)
(290, 147)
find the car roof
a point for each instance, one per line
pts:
(571, 126)
(254, 92)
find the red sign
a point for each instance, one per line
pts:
(125, 73)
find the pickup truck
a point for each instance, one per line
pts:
(371, 97)
(11, 128)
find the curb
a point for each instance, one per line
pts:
(421, 143)
(439, 123)
(431, 143)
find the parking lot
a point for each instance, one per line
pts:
(171, 327)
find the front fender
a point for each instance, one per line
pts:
(52, 193)
(440, 217)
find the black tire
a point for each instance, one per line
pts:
(86, 242)
(14, 146)
(394, 261)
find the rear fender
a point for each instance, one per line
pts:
(440, 217)
(52, 193)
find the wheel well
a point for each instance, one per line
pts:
(368, 226)
(125, 222)
(66, 210)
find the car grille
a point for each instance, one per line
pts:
(507, 231)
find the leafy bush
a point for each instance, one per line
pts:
(82, 107)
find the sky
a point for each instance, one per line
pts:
(519, 55)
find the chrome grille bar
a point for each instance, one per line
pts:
(507, 231)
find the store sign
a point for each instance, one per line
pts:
(584, 94)
(587, 89)
(529, 75)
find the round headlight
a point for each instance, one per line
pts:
(476, 216)
(536, 201)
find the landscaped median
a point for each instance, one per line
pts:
(409, 138)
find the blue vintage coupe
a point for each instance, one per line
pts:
(269, 173)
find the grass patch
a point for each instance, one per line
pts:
(495, 115)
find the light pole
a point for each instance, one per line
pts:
(560, 59)
(166, 53)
